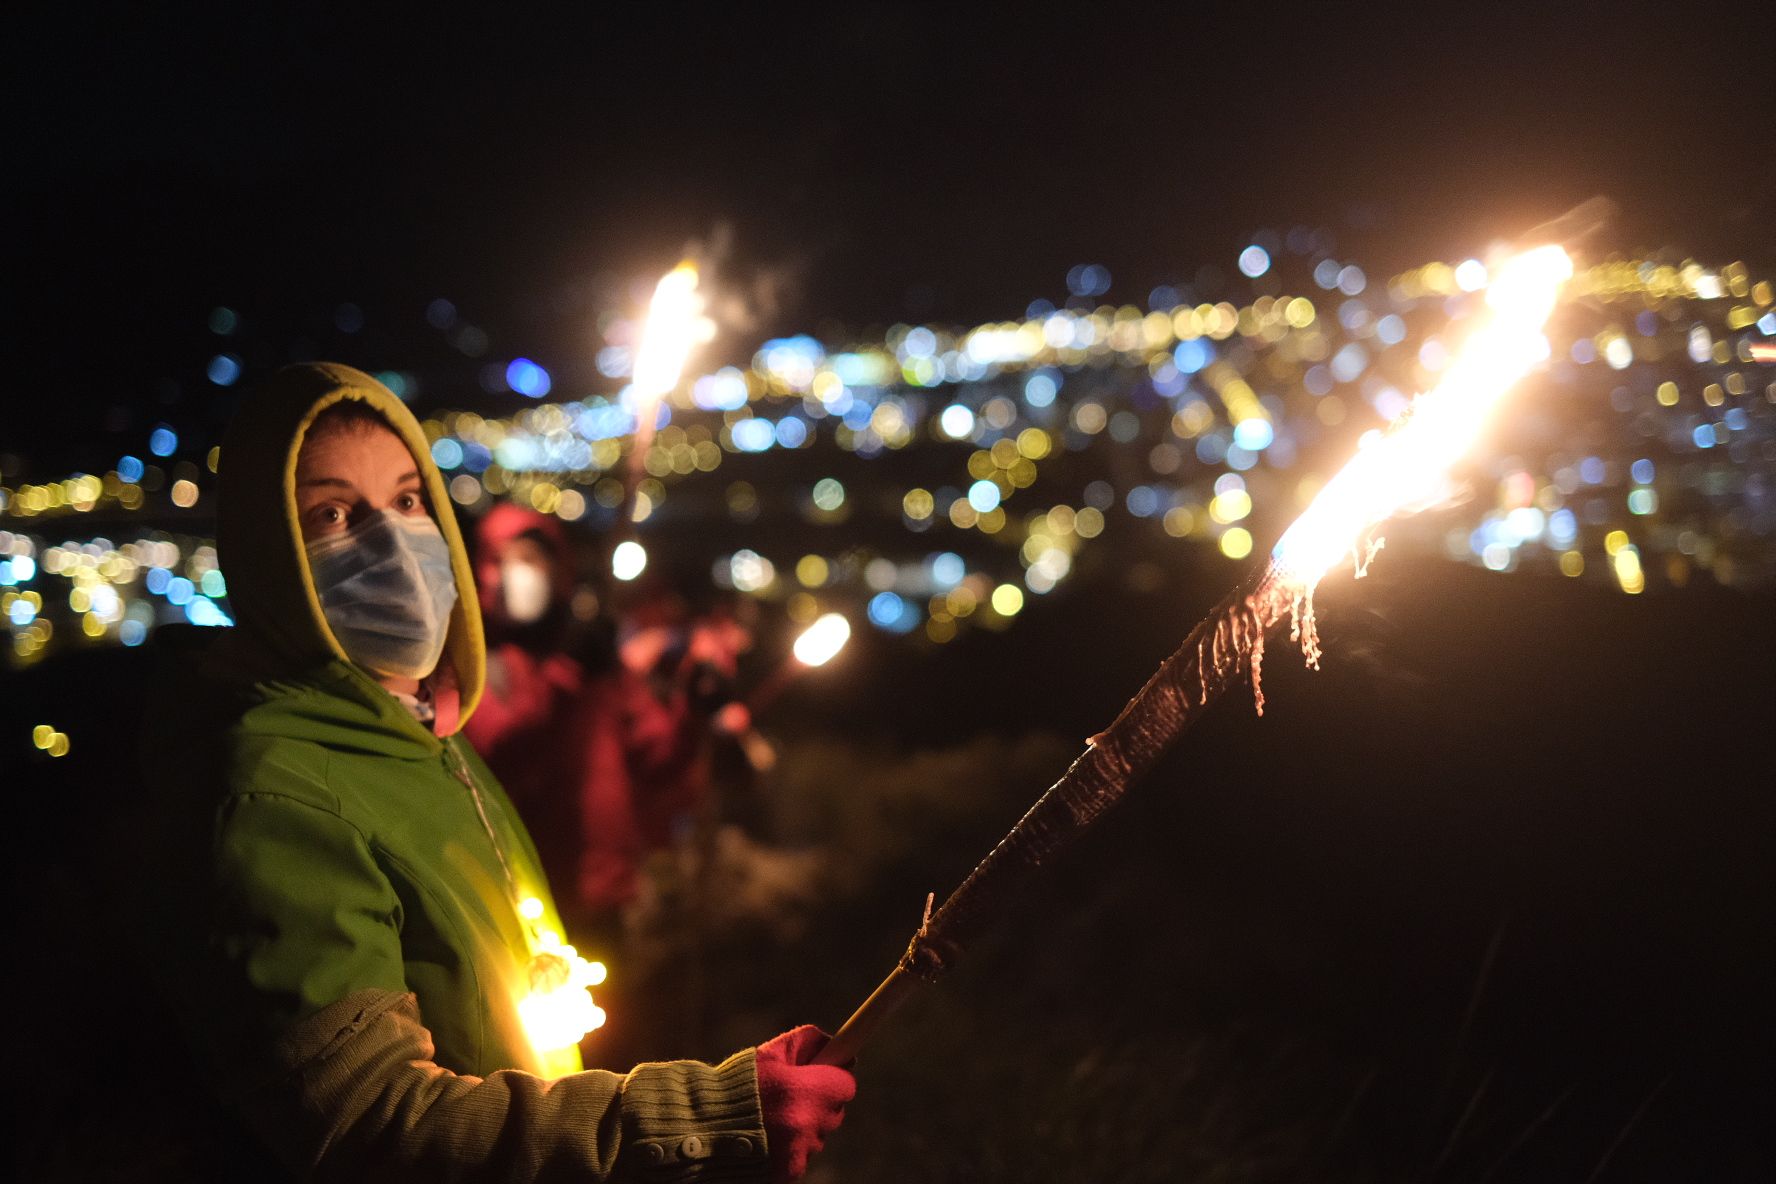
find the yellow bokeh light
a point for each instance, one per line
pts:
(1572, 563)
(1230, 506)
(802, 608)
(811, 571)
(1008, 600)
(1236, 543)
(1614, 541)
(570, 506)
(559, 1011)
(1180, 521)
(530, 908)
(544, 497)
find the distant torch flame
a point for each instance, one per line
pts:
(822, 640)
(675, 326)
(559, 1010)
(1409, 464)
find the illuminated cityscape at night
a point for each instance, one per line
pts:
(1644, 453)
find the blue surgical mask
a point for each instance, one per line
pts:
(387, 589)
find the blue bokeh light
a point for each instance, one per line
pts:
(447, 452)
(527, 378)
(755, 434)
(983, 496)
(1254, 435)
(1191, 356)
(947, 569)
(224, 369)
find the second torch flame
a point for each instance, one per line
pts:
(676, 325)
(821, 641)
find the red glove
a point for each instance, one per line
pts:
(802, 1102)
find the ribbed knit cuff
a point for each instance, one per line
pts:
(687, 1121)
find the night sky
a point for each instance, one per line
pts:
(866, 164)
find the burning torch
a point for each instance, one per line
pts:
(676, 326)
(1404, 467)
(814, 647)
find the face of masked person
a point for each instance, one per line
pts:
(380, 566)
(387, 590)
(524, 587)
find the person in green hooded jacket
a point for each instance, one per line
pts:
(343, 903)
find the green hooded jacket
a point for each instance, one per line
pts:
(334, 891)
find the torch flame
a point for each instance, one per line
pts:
(822, 640)
(1409, 464)
(675, 326)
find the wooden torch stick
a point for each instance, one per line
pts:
(1221, 650)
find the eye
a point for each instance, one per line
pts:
(409, 502)
(329, 516)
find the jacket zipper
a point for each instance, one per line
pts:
(459, 768)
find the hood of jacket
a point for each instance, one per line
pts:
(259, 533)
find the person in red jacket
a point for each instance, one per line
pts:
(600, 764)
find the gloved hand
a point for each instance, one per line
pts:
(802, 1102)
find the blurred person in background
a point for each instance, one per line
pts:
(338, 897)
(604, 754)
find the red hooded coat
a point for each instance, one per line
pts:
(597, 765)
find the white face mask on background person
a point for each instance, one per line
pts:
(524, 587)
(386, 589)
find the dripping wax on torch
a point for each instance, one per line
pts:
(1405, 467)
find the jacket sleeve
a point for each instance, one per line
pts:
(316, 1038)
(358, 1097)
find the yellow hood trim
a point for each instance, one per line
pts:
(259, 532)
